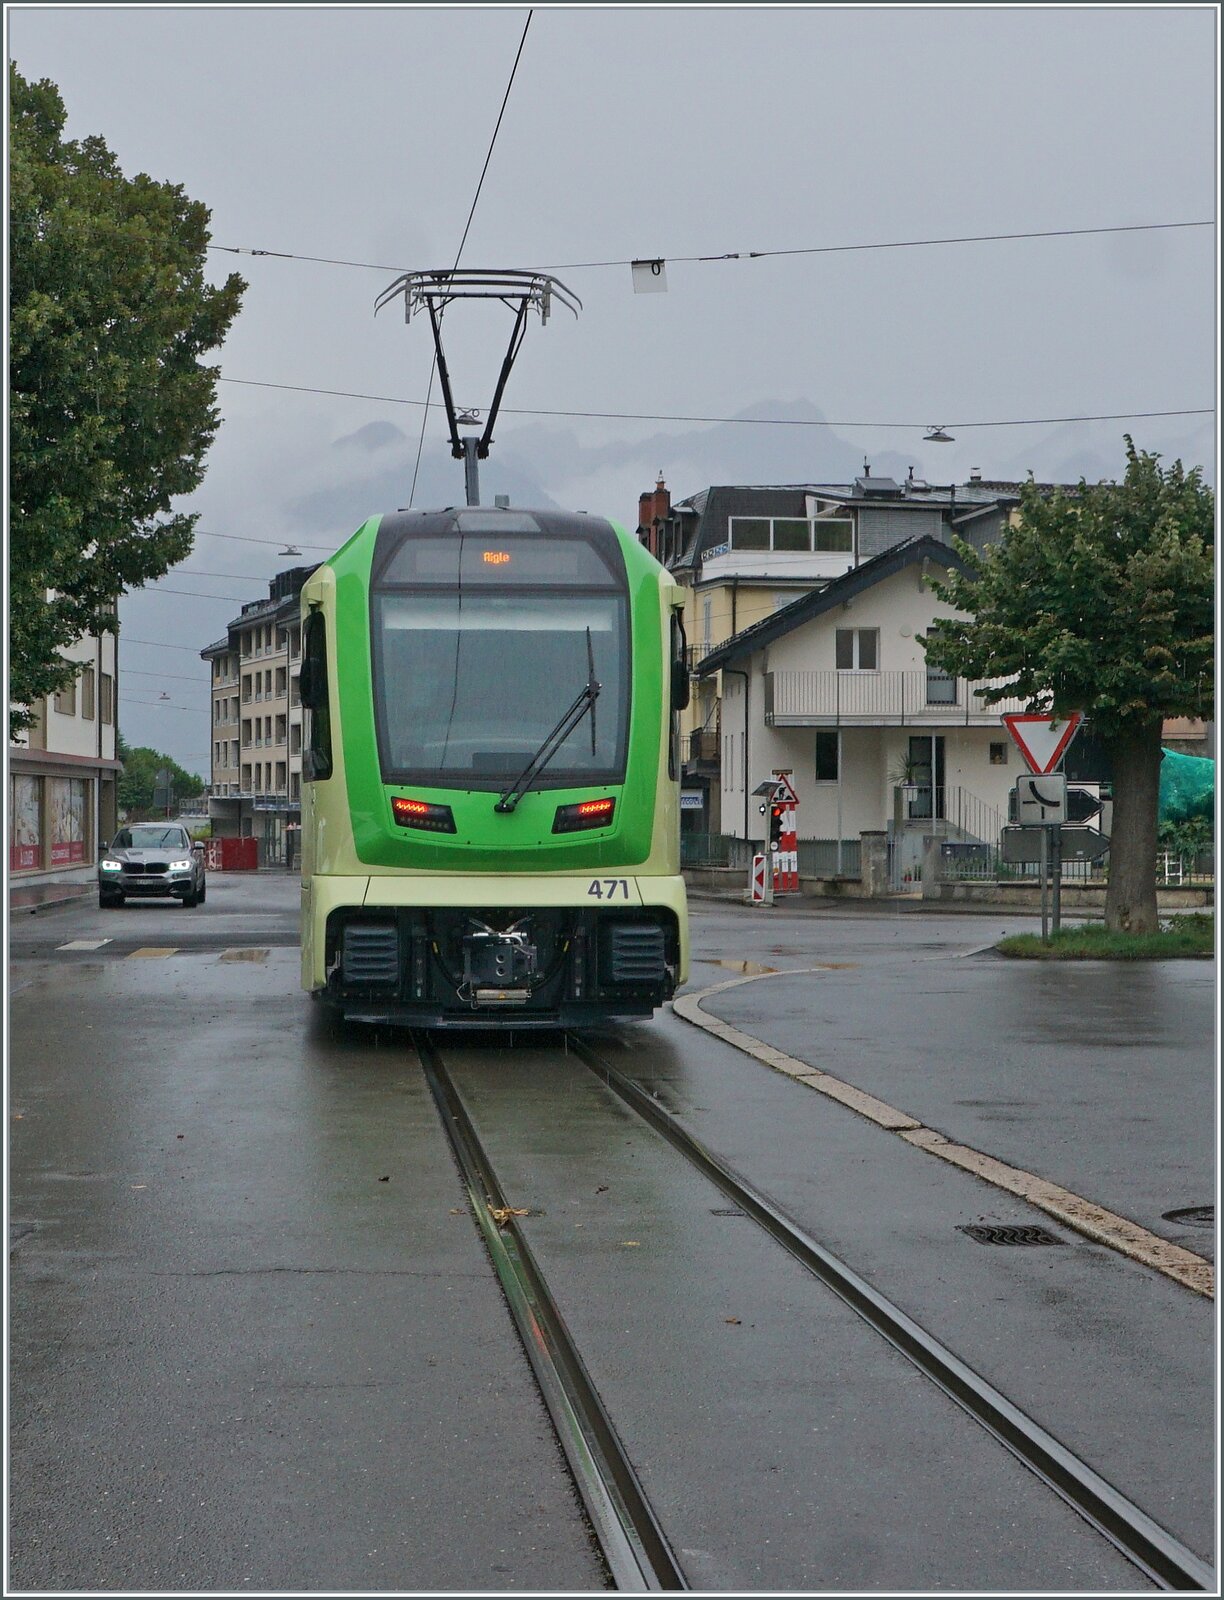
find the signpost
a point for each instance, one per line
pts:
(778, 871)
(1052, 816)
(788, 840)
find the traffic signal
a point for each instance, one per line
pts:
(775, 827)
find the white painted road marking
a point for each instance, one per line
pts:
(84, 944)
(1084, 1216)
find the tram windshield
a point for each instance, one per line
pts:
(469, 683)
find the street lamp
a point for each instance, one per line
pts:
(938, 435)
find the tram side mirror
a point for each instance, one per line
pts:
(679, 666)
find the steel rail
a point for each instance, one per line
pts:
(1160, 1556)
(634, 1546)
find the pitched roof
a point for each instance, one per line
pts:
(787, 618)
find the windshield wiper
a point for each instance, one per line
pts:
(584, 701)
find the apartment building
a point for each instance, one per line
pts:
(64, 771)
(256, 719)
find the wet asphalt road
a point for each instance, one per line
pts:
(270, 1353)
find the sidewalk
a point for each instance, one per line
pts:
(43, 896)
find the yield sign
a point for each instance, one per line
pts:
(1040, 738)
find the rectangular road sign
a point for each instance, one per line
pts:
(1022, 846)
(1041, 799)
(1042, 739)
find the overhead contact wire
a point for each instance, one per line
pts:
(757, 255)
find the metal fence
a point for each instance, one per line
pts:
(970, 863)
(818, 858)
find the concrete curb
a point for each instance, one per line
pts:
(50, 904)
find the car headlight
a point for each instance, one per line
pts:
(111, 866)
(180, 866)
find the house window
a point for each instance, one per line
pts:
(707, 607)
(750, 533)
(87, 694)
(858, 649)
(65, 700)
(998, 752)
(791, 534)
(106, 697)
(826, 755)
(940, 688)
(833, 533)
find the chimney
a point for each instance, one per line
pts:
(661, 500)
(975, 474)
(645, 532)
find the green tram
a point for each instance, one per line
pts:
(490, 800)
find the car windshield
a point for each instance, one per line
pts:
(156, 836)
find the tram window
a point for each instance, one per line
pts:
(317, 757)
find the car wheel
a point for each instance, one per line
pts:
(108, 902)
(203, 892)
(189, 900)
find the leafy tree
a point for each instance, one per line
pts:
(1099, 600)
(140, 768)
(110, 411)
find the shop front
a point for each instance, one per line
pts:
(61, 809)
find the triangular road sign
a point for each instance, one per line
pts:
(1041, 739)
(785, 793)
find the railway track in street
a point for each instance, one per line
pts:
(634, 1547)
(637, 1549)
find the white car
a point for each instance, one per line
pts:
(155, 860)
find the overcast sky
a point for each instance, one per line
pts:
(360, 133)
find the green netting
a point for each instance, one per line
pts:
(1187, 787)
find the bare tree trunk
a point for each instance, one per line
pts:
(1130, 900)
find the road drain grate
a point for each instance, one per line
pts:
(1193, 1216)
(993, 1234)
(726, 1211)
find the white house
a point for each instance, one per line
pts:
(835, 688)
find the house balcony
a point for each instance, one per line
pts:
(882, 699)
(701, 750)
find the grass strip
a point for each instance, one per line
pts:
(1178, 938)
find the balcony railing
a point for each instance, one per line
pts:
(797, 699)
(702, 745)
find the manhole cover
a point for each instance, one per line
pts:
(1193, 1216)
(988, 1234)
